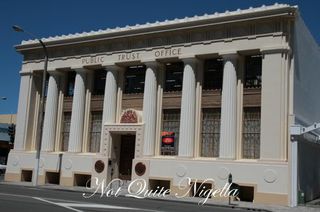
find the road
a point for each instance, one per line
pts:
(21, 198)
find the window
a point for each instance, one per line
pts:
(70, 83)
(251, 133)
(170, 130)
(66, 131)
(99, 82)
(174, 77)
(210, 132)
(95, 131)
(253, 67)
(134, 79)
(213, 73)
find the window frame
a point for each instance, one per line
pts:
(216, 77)
(175, 68)
(139, 70)
(215, 152)
(176, 112)
(252, 75)
(257, 144)
(99, 76)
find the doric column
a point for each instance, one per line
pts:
(110, 100)
(110, 95)
(50, 117)
(150, 108)
(22, 115)
(77, 116)
(188, 105)
(228, 129)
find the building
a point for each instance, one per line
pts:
(5, 145)
(197, 97)
(8, 118)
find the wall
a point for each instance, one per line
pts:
(274, 101)
(306, 54)
(306, 106)
(309, 169)
(267, 178)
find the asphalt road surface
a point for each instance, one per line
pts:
(23, 199)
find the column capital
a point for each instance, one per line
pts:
(80, 69)
(275, 49)
(229, 55)
(192, 60)
(113, 67)
(152, 63)
(55, 73)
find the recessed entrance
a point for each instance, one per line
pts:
(127, 148)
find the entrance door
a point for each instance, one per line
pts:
(126, 156)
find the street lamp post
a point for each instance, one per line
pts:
(41, 109)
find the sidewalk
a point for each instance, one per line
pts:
(191, 200)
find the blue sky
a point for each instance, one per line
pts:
(56, 17)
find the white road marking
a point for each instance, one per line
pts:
(72, 206)
(69, 204)
(58, 204)
(14, 195)
(97, 206)
(20, 195)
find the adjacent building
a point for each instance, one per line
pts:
(198, 97)
(6, 120)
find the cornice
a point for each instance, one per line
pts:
(159, 26)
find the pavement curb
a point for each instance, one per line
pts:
(78, 190)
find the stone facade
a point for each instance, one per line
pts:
(231, 36)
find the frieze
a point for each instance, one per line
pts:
(150, 41)
(132, 56)
(92, 60)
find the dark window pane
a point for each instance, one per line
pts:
(66, 131)
(174, 77)
(134, 79)
(99, 82)
(95, 131)
(210, 132)
(213, 73)
(251, 133)
(46, 85)
(170, 123)
(253, 67)
(70, 83)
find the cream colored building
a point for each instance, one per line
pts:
(8, 118)
(197, 97)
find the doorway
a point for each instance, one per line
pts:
(127, 150)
